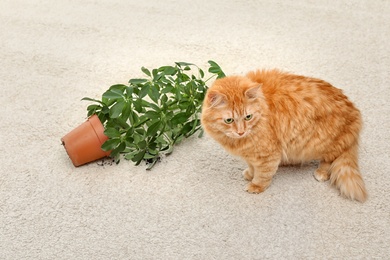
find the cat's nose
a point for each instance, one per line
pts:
(241, 133)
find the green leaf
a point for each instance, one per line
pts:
(142, 144)
(149, 156)
(216, 69)
(164, 99)
(161, 140)
(120, 148)
(152, 145)
(93, 107)
(154, 73)
(154, 94)
(91, 99)
(138, 105)
(153, 129)
(141, 120)
(179, 139)
(179, 118)
(116, 109)
(129, 134)
(120, 122)
(110, 144)
(109, 94)
(213, 63)
(138, 157)
(144, 91)
(126, 111)
(119, 88)
(169, 70)
(183, 77)
(138, 137)
(201, 73)
(130, 155)
(157, 75)
(146, 71)
(184, 104)
(167, 89)
(180, 64)
(133, 118)
(154, 107)
(186, 128)
(152, 114)
(137, 81)
(141, 132)
(92, 112)
(129, 91)
(112, 132)
(190, 109)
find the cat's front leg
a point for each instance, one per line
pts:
(263, 171)
(248, 172)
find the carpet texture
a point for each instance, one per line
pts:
(191, 205)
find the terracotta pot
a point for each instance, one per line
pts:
(83, 144)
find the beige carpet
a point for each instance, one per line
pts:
(192, 205)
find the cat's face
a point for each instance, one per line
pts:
(236, 123)
(231, 107)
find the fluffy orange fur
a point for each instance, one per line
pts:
(269, 117)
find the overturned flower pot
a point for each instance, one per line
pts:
(83, 144)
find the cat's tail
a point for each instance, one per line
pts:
(345, 175)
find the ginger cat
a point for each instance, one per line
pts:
(270, 118)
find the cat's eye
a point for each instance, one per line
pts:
(248, 117)
(228, 120)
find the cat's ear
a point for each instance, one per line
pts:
(253, 92)
(216, 99)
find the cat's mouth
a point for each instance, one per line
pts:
(236, 135)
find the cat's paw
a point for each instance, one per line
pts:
(253, 188)
(247, 174)
(321, 175)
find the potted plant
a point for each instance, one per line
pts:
(147, 117)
